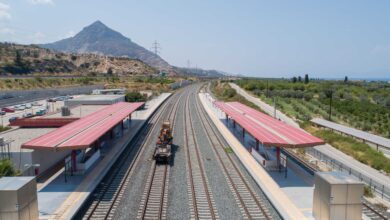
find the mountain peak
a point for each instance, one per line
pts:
(97, 27)
(97, 24)
(98, 38)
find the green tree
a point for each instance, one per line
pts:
(306, 78)
(294, 79)
(18, 59)
(135, 97)
(299, 79)
(345, 79)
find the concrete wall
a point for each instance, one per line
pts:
(47, 158)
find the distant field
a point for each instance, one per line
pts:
(363, 105)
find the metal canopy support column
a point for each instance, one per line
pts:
(234, 124)
(278, 157)
(227, 119)
(74, 161)
(112, 133)
(257, 145)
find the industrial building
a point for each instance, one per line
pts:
(95, 100)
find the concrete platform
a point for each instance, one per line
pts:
(58, 199)
(271, 189)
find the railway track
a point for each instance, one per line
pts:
(201, 202)
(373, 212)
(251, 205)
(106, 197)
(154, 199)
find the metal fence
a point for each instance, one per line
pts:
(379, 189)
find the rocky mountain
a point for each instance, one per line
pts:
(97, 38)
(30, 59)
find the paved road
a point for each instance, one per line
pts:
(380, 143)
(264, 106)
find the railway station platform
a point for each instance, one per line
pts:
(60, 196)
(269, 141)
(283, 203)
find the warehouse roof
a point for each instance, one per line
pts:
(83, 132)
(267, 130)
(96, 97)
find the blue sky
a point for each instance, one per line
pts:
(252, 37)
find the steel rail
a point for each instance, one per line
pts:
(199, 185)
(240, 186)
(107, 198)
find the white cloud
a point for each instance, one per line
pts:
(4, 12)
(41, 2)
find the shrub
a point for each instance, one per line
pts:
(6, 168)
(135, 97)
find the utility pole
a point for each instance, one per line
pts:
(329, 94)
(188, 64)
(274, 107)
(330, 106)
(156, 48)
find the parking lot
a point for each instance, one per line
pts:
(50, 107)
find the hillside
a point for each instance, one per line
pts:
(200, 72)
(97, 38)
(30, 59)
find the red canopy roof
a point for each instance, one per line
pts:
(267, 130)
(83, 132)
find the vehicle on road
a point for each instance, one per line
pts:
(2, 112)
(8, 109)
(28, 105)
(163, 152)
(13, 119)
(36, 104)
(20, 107)
(41, 112)
(51, 100)
(27, 115)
